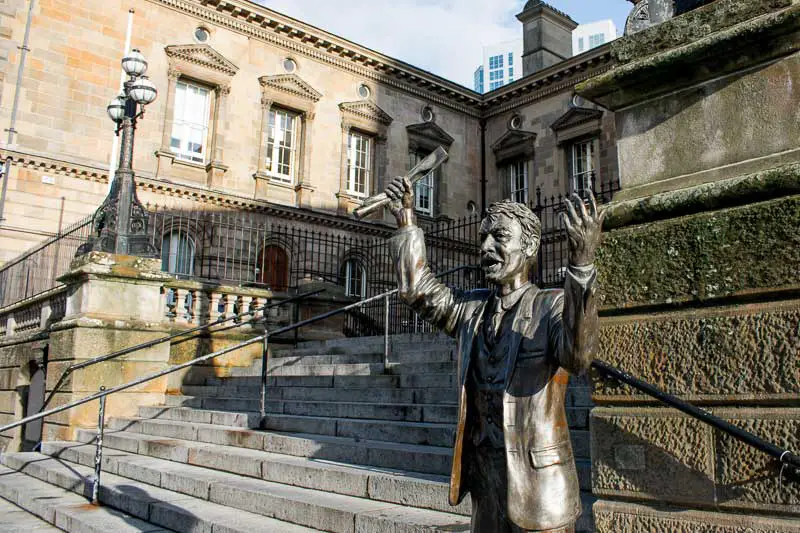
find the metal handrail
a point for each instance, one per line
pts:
(297, 325)
(783, 455)
(141, 346)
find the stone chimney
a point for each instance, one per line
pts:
(547, 36)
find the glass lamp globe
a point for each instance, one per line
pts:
(143, 91)
(116, 109)
(134, 64)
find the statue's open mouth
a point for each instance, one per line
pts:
(490, 263)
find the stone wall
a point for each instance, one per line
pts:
(699, 272)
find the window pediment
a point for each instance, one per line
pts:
(427, 136)
(514, 144)
(366, 110)
(201, 55)
(291, 84)
(576, 116)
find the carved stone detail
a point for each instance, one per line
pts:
(292, 84)
(202, 55)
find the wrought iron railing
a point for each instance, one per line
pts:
(37, 270)
(785, 457)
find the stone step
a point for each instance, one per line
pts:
(161, 507)
(415, 355)
(355, 410)
(217, 400)
(355, 369)
(247, 384)
(392, 486)
(15, 519)
(416, 458)
(62, 509)
(290, 504)
(422, 433)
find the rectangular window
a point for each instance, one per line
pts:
(582, 166)
(510, 72)
(281, 150)
(580, 44)
(358, 163)
(496, 62)
(423, 190)
(495, 85)
(190, 122)
(596, 40)
(518, 181)
(510, 58)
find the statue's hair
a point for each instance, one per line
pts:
(531, 226)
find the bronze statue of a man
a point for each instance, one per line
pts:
(516, 345)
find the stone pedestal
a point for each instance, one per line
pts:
(700, 270)
(113, 302)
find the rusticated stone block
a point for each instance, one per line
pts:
(659, 454)
(653, 454)
(707, 355)
(748, 478)
(617, 517)
(702, 257)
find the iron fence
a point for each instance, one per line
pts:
(38, 269)
(259, 250)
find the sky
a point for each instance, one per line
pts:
(445, 37)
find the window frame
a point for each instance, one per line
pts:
(174, 258)
(349, 265)
(513, 172)
(352, 155)
(183, 153)
(589, 163)
(273, 155)
(426, 182)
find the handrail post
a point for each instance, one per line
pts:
(264, 353)
(386, 332)
(296, 319)
(98, 453)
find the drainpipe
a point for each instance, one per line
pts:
(11, 131)
(483, 167)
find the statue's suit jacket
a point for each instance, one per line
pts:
(555, 332)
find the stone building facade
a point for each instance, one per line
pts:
(233, 75)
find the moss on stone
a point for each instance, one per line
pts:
(702, 257)
(759, 186)
(689, 27)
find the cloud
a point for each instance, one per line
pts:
(445, 37)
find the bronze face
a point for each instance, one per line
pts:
(506, 252)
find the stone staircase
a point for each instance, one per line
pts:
(351, 446)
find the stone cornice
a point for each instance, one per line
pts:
(261, 23)
(558, 78)
(146, 182)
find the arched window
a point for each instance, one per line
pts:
(273, 267)
(355, 278)
(177, 253)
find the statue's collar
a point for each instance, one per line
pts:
(507, 302)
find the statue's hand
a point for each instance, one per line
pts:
(583, 229)
(401, 193)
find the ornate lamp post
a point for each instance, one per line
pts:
(120, 224)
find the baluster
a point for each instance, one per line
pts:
(213, 306)
(195, 309)
(245, 304)
(260, 302)
(169, 296)
(180, 306)
(230, 305)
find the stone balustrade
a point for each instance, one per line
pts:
(194, 303)
(34, 314)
